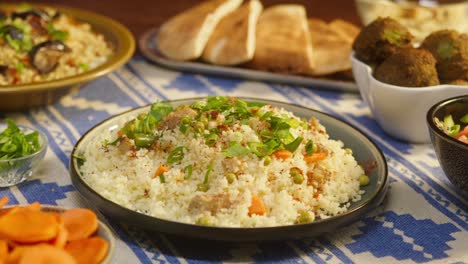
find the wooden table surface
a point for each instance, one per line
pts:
(139, 15)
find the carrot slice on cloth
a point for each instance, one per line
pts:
(317, 156)
(80, 223)
(256, 207)
(4, 201)
(40, 254)
(89, 250)
(27, 226)
(283, 154)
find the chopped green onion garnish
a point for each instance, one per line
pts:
(14, 143)
(176, 155)
(294, 145)
(188, 171)
(309, 147)
(235, 150)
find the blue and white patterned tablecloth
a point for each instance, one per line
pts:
(423, 218)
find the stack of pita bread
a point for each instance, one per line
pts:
(278, 39)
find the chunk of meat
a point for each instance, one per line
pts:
(172, 119)
(212, 203)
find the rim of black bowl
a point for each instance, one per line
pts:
(226, 233)
(438, 131)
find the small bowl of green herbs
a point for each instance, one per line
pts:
(21, 150)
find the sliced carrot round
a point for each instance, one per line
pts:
(40, 254)
(3, 201)
(28, 226)
(3, 251)
(89, 250)
(80, 223)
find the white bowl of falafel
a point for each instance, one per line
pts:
(401, 80)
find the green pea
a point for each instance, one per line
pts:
(204, 220)
(203, 187)
(297, 176)
(304, 217)
(364, 180)
(267, 160)
(230, 177)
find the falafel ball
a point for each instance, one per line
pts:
(408, 67)
(380, 39)
(459, 82)
(450, 48)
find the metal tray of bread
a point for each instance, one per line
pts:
(149, 49)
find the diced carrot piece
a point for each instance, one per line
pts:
(27, 226)
(3, 251)
(4, 201)
(283, 154)
(120, 133)
(317, 156)
(256, 207)
(80, 223)
(88, 251)
(40, 254)
(160, 170)
(464, 132)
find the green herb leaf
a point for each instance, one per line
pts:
(14, 143)
(84, 66)
(162, 178)
(188, 171)
(235, 150)
(208, 172)
(259, 149)
(144, 141)
(464, 119)
(56, 34)
(160, 109)
(20, 67)
(309, 147)
(294, 145)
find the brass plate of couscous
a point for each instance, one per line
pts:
(48, 49)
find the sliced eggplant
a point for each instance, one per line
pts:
(14, 32)
(32, 12)
(3, 69)
(46, 55)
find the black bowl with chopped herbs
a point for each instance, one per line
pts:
(21, 150)
(448, 126)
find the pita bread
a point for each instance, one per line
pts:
(184, 36)
(331, 50)
(345, 29)
(283, 41)
(233, 40)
